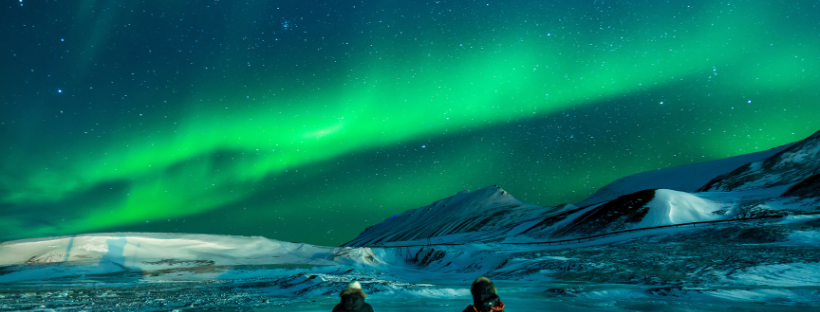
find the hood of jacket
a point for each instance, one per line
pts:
(352, 299)
(484, 295)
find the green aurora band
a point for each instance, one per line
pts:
(309, 122)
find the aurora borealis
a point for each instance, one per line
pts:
(309, 121)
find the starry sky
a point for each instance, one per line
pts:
(308, 121)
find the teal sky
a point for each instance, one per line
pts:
(308, 121)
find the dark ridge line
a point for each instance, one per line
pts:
(589, 238)
(512, 226)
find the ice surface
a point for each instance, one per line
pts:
(804, 238)
(610, 300)
(781, 275)
(149, 271)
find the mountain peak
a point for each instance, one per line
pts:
(485, 209)
(649, 199)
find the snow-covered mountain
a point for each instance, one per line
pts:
(172, 255)
(490, 209)
(794, 164)
(809, 188)
(686, 178)
(163, 271)
(647, 208)
(656, 198)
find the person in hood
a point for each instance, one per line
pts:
(485, 297)
(353, 300)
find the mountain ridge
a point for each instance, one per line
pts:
(791, 165)
(626, 203)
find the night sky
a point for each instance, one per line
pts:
(308, 121)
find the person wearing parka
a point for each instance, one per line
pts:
(485, 297)
(353, 300)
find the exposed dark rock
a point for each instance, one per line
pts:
(551, 220)
(428, 256)
(791, 165)
(487, 209)
(738, 233)
(666, 291)
(562, 291)
(809, 188)
(758, 209)
(173, 262)
(613, 216)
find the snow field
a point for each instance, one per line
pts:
(673, 207)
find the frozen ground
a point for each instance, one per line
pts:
(517, 296)
(596, 298)
(747, 266)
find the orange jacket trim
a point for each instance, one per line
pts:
(498, 308)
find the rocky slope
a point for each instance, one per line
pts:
(794, 164)
(686, 178)
(756, 188)
(490, 209)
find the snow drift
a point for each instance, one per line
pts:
(35, 259)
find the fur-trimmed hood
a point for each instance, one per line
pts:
(353, 291)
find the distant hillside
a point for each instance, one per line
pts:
(664, 197)
(487, 209)
(795, 164)
(686, 178)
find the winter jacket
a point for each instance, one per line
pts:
(490, 305)
(353, 301)
(485, 298)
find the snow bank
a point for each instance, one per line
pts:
(780, 275)
(772, 296)
(673, 207)
(145, 252)
(135, 249)
(803, 238)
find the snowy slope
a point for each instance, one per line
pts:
(770, 263)
(504, 223)
(686, 178)
(809, 188)
(34, 259)
(151, 272)
(792, 165)
(648, 208)
(490, 209)
(492, 215)
(673, 207)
